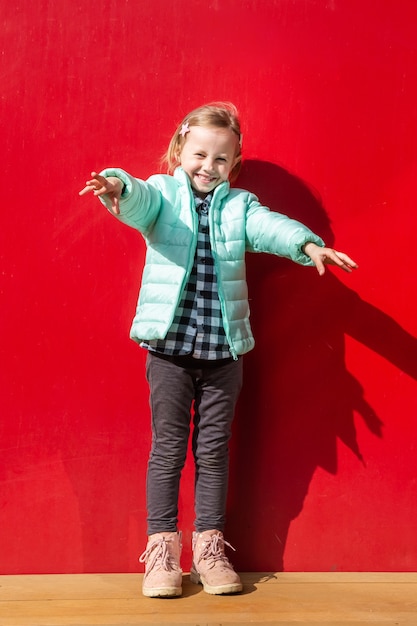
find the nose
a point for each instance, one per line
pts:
(208, 165)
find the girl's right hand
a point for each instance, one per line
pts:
(100, 186)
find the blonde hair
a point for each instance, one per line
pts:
(217, 114)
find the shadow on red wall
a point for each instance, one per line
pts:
(298, 398)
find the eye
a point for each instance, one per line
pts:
(222, 159)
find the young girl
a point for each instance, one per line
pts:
(193, 319)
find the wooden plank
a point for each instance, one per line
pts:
(282, 599)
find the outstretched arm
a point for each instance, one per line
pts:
(100, 186)
(328, 256)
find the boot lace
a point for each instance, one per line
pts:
(213, 551)
(157, 556)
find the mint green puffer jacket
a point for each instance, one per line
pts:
(162, 209)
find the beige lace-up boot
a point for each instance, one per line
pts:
(163, 574)
(211, 567)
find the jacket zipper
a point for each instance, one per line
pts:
(219, 285)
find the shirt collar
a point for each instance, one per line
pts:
(200, 201)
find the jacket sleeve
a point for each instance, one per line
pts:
(268, 231)
(140, 202)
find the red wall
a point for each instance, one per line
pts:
(324, 450)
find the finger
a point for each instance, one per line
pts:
(86, 189)
(347, 260)
(100, 191)
(97, 182)
(101, 186)
(319, 266)
(343, 261)
(115, 206)
(101, 180)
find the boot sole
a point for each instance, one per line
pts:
(163, 592)
(217, 590)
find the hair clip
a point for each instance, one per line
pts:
(185, 128)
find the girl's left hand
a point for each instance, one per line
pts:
(328, 256)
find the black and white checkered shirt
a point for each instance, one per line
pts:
(197, 328)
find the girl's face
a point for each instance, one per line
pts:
(208, 156)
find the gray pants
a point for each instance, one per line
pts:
(177, 385)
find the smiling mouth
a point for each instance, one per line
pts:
(205, 179)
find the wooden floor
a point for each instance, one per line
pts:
(283, 599)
